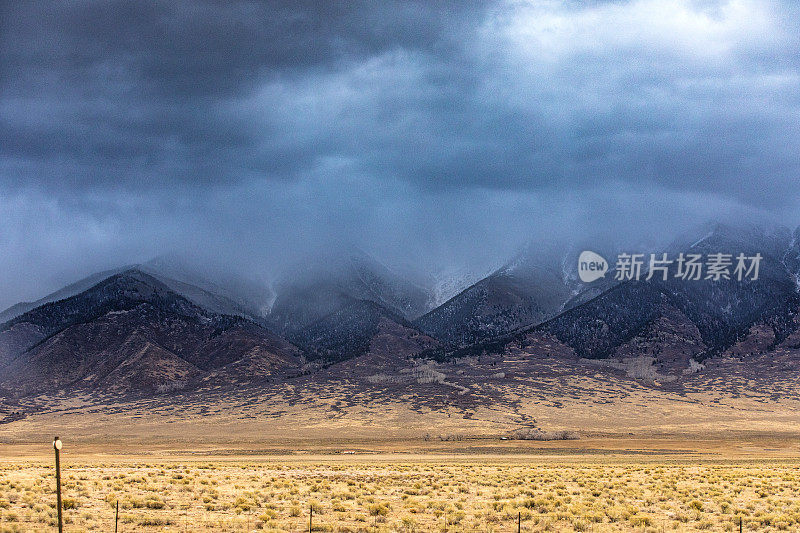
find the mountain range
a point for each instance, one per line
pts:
(162, 329)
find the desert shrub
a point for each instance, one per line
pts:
(69, 503)
(539, 434)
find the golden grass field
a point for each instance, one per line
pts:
(472, 485)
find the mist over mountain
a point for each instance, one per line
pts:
(437, 136)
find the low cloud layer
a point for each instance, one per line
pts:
(432, 134)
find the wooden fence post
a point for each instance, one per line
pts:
(57, 448)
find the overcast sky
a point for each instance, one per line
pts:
(433, 134)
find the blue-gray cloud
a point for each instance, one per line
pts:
(432, 132)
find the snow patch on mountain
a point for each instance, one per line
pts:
(450, 283)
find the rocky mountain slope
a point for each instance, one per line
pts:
(65, 292)
(654, 328)
(531, 288)
(230, 295)
(132, 333)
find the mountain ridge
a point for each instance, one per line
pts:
(134, 334)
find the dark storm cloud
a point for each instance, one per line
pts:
(149, 84)
(185, 49)
(435, 133)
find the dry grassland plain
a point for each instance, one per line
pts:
(480, 485)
